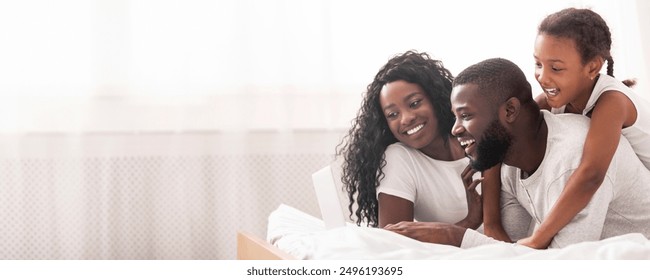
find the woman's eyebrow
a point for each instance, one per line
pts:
(410, 95)
(391, 105)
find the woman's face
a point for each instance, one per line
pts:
(560, 71)
(410, 115)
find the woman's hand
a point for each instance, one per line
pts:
(474, 216)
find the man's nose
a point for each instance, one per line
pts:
(457, 129)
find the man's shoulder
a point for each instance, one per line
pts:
(566, 120)
(564, 145)
(566, 140)
(569, 129)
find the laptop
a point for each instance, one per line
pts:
(328, 198)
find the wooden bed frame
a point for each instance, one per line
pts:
(251, 247)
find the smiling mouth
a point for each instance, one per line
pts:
(551, 91)
(467, 146)
(414, 130)
(467, 143)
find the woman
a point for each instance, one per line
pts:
(400, 163)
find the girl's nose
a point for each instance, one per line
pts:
(540, 75)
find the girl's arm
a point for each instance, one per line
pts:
(393, 209)
(612, 112)
(491, 192)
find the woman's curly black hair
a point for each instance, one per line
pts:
(364, 146)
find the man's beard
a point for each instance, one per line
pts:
(493, 147)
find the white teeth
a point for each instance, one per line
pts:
(551, 91)
(467, 142)
(415, 129)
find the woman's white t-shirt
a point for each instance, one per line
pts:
(434, 186)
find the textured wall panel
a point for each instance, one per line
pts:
(150, 196)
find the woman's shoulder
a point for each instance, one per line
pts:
(399, 149)
(401, 152)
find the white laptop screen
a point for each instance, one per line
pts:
(328, 198)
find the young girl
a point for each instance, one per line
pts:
(400, 162)
(571, 47)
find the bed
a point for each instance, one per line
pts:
(295, 235)
(251, 247)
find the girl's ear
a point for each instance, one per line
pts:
(594, 66)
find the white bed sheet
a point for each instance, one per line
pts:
(305, 237)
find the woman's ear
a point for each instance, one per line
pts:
(511, 109)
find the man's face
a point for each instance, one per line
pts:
(477, 128)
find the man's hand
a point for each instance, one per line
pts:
(432, 232)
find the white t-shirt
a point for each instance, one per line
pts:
(638, 134)
(621, 205)
(434, 186)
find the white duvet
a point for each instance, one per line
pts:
(305, 237)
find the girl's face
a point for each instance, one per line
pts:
(410, 115)
(560, 71)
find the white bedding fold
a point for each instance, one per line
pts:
(305, 237)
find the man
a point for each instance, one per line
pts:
(498, 122)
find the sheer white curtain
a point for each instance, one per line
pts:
(157, 128)
(128, 65)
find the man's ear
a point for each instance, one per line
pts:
(511, 109)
